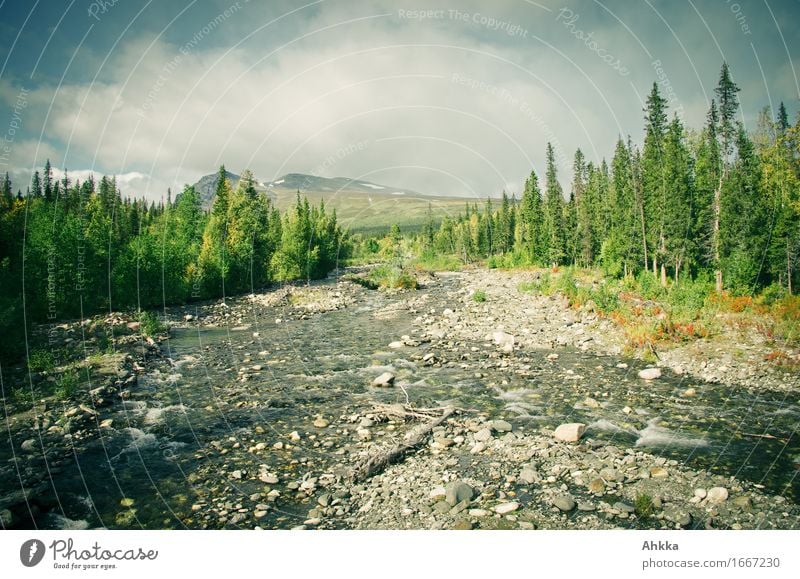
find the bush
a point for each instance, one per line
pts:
(41, 361)
(66, 385)
(150, 325)
(479, 296)
(643, 505)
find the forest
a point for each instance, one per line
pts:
(70, 250)
(720, 204)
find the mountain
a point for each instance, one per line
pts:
(360, 205)
(207, 185)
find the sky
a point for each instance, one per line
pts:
(448, 98)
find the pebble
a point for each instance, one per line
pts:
(597, 486)
(690, 393)
(28, 445)
(483, 435)
(500, 426)
(659, 472)
(505, 508)
(458, 491)
(650, 373)
(717, 495)
(384, 380)
(564, 503)
(571, 432)
(528, 476)
(478, 448)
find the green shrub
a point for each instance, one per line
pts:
(66, 385)
(643, 505)
(479, 296)
(150, 325)
(41, 361)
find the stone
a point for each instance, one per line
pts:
(294, 436)
(659, 472)
(678, 515)
(650, 373)
(188, 318)
(586, 507)
(597, 486)
(624, 507)
(528, 476)
(268, 478)
(504, 341)
(590, 402)
(107, 423)
(552, 357)
(627, 410)
(259, 514)
(458, 491)
(384, 380)
(324, 500)
(743, 502)
(564, 503)
(6, 518)
(438, 494)
(133, 326)
(570, 432)
(396, 345)
(237, 474)
(500, 426)
(441, 507)
(483, 435)
(478, 448)
(505, 508)
(690, 393)
(462, 525)
(28, 445)
(478, 513)
(717, 495)
(700, 493)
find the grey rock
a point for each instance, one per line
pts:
(441, 507)
(624, 507)
(384, 380)
(28, 445)
(458, 491)
(528, 476)
(500, 426)
(717, 495)
(564, 503)
(483, 435)
(6, 519)
(678, 515)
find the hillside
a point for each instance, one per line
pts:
(360, 205)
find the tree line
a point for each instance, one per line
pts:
(68, 250)
(719, 202)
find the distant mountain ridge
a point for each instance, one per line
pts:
(360, 205)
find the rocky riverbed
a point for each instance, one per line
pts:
(253, 412)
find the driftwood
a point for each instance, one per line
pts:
(378, 461)
(767, 436)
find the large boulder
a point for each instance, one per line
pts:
(458, 491)
(650, 373)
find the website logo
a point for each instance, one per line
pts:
(32, 552)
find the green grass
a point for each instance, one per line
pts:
(386, 276)
(643, 506)
(41, 361)
(150, 325)
(479, 296)
(67, 385)
(438, 263)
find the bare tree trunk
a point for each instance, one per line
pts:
(788, 267)
(663, 275)
(715, 233)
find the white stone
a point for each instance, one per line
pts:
(717, 495)
(504, 508)
(384, 380)
(650, 373)
(570, 432)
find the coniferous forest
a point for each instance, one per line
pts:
(72, 249)
(719, 203)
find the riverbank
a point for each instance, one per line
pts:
(253, 412)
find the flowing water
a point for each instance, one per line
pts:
(197, 417)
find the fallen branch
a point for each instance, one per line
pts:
(375, 463)
(768, 436)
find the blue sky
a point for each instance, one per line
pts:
(449, 98)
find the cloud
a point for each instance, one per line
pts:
(448, 102)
